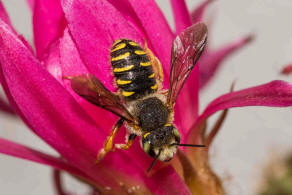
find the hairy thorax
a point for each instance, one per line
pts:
(151, 112)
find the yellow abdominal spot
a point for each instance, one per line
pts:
(123, 82)
(145, 63)
(120, 57)
(167, 125)
(118, 47)
(146, 134)
(154, 86)
(133, 43)
(117, 41)
(123, 69)
(127, 93)
(151, 76)
(139, 52)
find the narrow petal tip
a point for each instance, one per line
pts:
(198, 13)
(213, 60)
(210, 1)
(287, 70)
(242, 41)
(249, 38)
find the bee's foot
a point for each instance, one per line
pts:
(119, 146)
(100, 156)
(122, 146)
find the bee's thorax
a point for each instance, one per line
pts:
(152, 114)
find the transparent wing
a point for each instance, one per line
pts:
(187, 47)
(91, 89)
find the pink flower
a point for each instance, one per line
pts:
(73, 37)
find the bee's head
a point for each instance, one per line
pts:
(161, 143)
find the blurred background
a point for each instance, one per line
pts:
(250, 139)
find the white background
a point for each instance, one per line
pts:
(250, 137)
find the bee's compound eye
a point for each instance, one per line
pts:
(146, 147)
(145, 143)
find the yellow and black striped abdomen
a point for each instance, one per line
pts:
(132, 69)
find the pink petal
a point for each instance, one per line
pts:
(48, 109)
(158, 183)
(157, 30)
(94, 26)
(48, 24)
(181, 15)
(124, 169)
(273, 94)
(71, 65)
(25, 42)
(12, 103)
(4, 16)
(58, 184)
(167, 181)
(287, 70)
(9, 97)
(70, 60)
(5, 107)
(53, 62)
(198, 13)
(31, 4)
(124, 7)
(23, 152)
(212, 60)
(215, 129)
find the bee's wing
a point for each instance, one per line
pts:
(91, 89)
(186, 50)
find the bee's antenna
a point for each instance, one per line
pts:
(154, 161)
(188, 145)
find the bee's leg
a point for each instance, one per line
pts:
(109, 142)
(128, 144)
(156, 65)
(164, 92)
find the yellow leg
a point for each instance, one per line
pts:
(155, 64)
(128, 144)
(164, 92)
(109, 142)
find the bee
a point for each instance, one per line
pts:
(146, 109)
